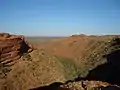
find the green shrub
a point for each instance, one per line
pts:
(71, 69)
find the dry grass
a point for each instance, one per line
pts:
(41, 69)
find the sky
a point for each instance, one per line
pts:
(60, 17)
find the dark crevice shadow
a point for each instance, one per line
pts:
(109, 88)
(24, 47)
(53, 86)
(108, 72)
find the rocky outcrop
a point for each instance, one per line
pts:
(88, 85)
(11, 48)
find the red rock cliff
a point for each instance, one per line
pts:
(12, 47)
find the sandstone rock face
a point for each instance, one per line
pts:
(11, 48)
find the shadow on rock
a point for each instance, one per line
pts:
(53, 86)
(108, 72)
(110, 88)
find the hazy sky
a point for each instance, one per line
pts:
(60, 17)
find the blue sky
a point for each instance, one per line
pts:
(60, 17)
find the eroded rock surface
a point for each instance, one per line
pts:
(11, 49)
(88, 85)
